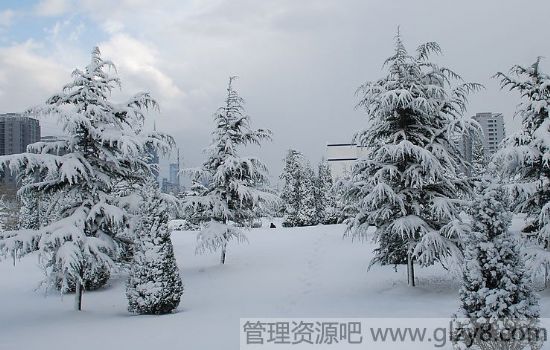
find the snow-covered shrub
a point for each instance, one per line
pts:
(192, 213)
(216, 235)
(180, 225)
(154, 285)
(496, 290)
(93, 278)
(256, 223)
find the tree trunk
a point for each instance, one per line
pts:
(222, 258)
(410, 270)
(78, 296)
(14, 253)
(224, 246)
(545, 276)
(413, 278)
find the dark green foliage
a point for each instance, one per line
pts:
(154, 285)
(496, 290)
(92, 279)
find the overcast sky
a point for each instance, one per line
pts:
(299, 61)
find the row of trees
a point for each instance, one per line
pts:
(307, 198)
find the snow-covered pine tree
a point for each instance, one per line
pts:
(6, 223)
(3, 214)
(479, 158)
(496, 294)
(291, 178)
(154, 285)
(299, 193)
(9, 212)
(326, 195)
(105, 144)
(29, 213)
(524, 159)
(307, 211)
(409, 185)
(236, 186)
(28, 217)
(345, 207)
(193, 215)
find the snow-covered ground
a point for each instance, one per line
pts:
(283, 272)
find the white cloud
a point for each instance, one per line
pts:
(52, 7)
(112, 26)
(64, 30)
(26, 77)
(75, 34)
(140, 66)
(6, 18)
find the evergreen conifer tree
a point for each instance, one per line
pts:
(479, 159)
(29, 213)
(154, 285)
(307, 210)
(193, 215)
(326, 195)
(236, 186)
(496, 296)
(524, 159)
(290, 195)
(410, 186)
(299, 194)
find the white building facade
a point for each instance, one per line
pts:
(342, 156)
(493, 131)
